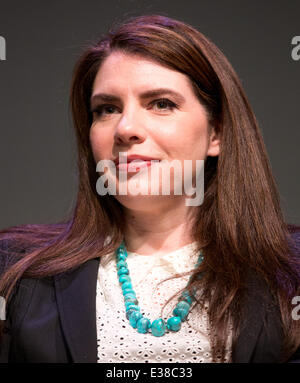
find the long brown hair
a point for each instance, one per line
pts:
(240, 225)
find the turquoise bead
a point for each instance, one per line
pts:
(130, 298)
(129, 295)
(128, 304)
(200, 259)
(134, 317)
(128, 291)
(130, 311)
(183, 305)
(121, 250)
(174, 323)
(133, 306)
(158, 327)
(124, 278)
(126, 285)
(121, 264)
(186, 296)
(123, 270)
(179, 312)
(143, 325)
(121, 257)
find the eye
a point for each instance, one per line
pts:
(164, 104)
(102, 110)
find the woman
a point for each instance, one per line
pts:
(156, 89)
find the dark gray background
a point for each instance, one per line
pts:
(44, 39)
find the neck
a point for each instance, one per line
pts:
(161, 232)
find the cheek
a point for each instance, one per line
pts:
(100, 144)
(185, 140)
(194, 139)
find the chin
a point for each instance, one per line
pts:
(145, 203)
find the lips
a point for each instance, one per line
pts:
(132, 157)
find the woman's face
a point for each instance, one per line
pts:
(130, 118)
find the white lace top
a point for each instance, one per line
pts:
(118, 341)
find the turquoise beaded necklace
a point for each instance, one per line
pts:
(133, 313)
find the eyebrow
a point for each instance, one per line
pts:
(144, 96)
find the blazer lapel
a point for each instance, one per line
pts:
(260, 336)
(253, 317)
(76, 299)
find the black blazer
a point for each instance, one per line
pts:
(54, 320)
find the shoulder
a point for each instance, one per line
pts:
(17, 241)
(9, 254)
(22, 292)
(294, 240)
(295, 236)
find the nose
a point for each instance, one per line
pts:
(130, 128)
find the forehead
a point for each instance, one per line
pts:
(127, 70)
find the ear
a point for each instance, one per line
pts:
(213, 149)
